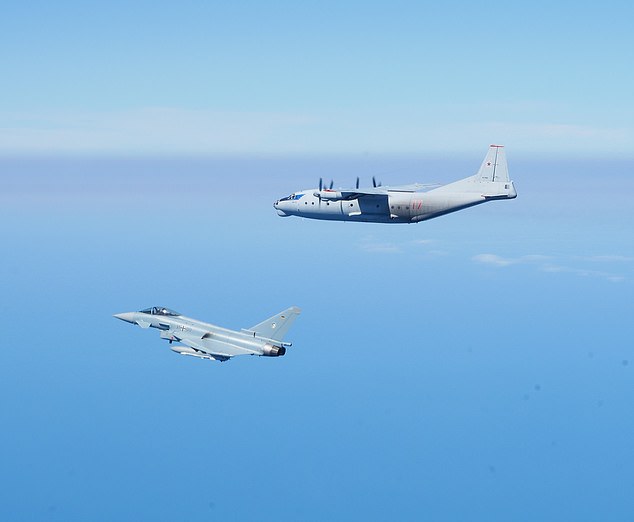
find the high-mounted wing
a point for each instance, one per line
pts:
(413, 187)
(356, 193)
(349, 194)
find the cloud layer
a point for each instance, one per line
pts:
(173, 130)
(555, 265)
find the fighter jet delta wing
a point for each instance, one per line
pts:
(197, 349)
(207, 341)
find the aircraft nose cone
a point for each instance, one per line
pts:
(128, 317)
(278, 206)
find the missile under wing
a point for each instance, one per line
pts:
(208, 341)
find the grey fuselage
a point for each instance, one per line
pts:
(404, 204)
(394, 207)
(205, 340)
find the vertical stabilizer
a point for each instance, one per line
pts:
(494, 167)
(276, 327)
(491, 181)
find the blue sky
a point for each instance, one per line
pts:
(477, 366)
(282, 77)
(473, 367)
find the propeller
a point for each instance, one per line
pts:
(374, 183)
(357, 182)
(322, 187)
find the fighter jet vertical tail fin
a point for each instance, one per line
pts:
(494, 166)
(276, 327)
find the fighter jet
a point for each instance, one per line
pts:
(403, 204)
(207, 341)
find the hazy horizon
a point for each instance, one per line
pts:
(477, 366)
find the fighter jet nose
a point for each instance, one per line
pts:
(128, 317)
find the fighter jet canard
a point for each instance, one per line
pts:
(403, 204)
(208, 341)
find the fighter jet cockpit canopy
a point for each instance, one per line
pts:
(159, 310)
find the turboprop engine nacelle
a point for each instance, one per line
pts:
(328, 194)
(273, 351)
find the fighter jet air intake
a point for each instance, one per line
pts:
(207, 341)
(403, 204)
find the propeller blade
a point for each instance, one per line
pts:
(331, 184)
(373, 181)
(321, 183)
(357, 182)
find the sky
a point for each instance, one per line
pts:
(315, 77)
(473, 367)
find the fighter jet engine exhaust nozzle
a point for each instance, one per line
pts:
(273, 351)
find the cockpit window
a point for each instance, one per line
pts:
(159, 310)
(292, 197)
